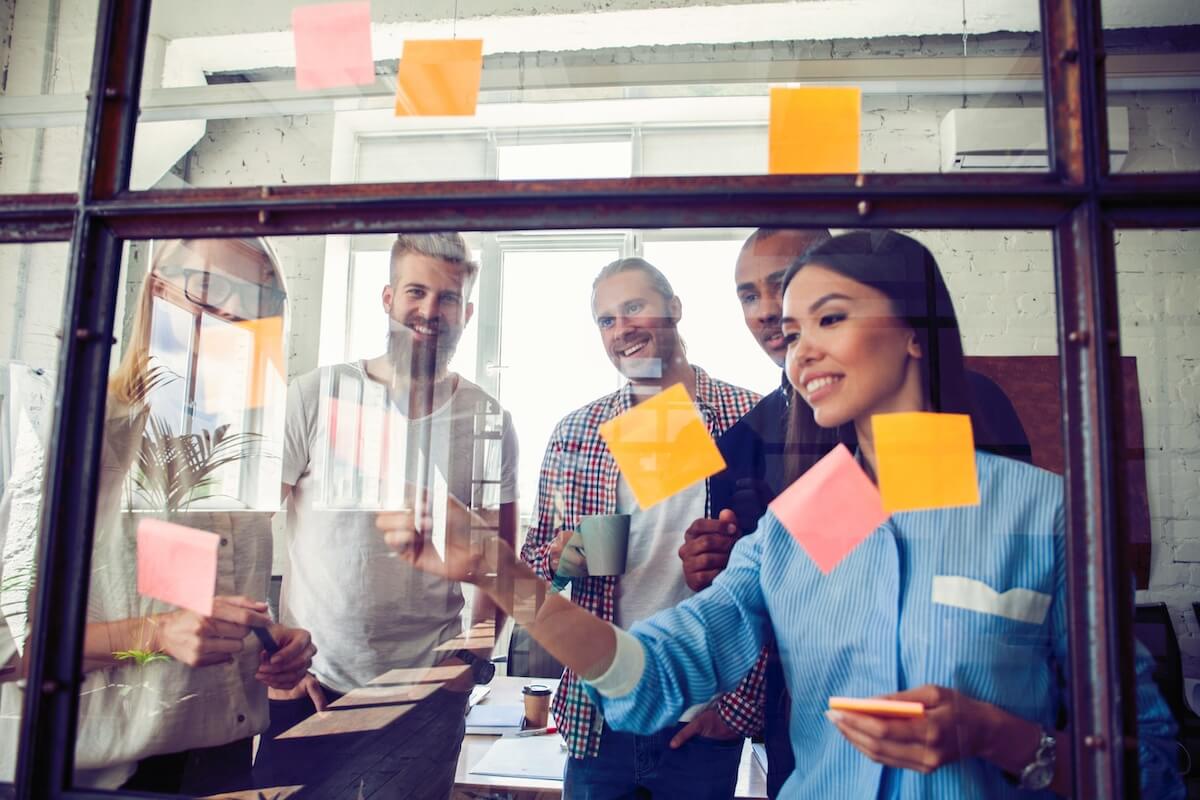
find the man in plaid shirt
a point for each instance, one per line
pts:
(637, 313)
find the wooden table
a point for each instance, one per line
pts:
(752, 781)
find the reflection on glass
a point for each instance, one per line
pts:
(34, 280)
(1159, 292)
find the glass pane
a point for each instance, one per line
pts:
(1152, 73)
(34, 280)
(46, 58)
(382, 424)
(1159, 290)
(232, 98)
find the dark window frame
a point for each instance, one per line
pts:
(1077, 201)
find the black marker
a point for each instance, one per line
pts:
(264, 637)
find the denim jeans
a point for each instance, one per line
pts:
(631, 766)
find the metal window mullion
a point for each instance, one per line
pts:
(1102, 699)
(46, 758)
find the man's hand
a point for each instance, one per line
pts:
(707, 723)
(308, 685)
(557, 547)
(200, 641)
(289, 665)
(705, 550)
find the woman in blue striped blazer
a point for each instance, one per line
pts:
(962, 610)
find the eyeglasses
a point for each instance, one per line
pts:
(215, 290)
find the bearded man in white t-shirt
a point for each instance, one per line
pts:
(396, 431)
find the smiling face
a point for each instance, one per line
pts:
(848, 355)
(637, 324)
(759, 275)
(428, 310)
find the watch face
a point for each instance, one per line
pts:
(1037, 776)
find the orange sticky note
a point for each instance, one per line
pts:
(439, 77)
(662, 446)
(177, 565)
(831, 508)
(878, 707)
(333, 45)
(925, 460)
(239, 362)
(814, 130)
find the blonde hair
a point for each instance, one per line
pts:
(133, 377)
(450, 247)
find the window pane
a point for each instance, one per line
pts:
(1159, 292)
(1152, 75)
(226, 98)
(229, 340)
(34, 281)
(46, 53)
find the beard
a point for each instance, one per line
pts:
(420, 359)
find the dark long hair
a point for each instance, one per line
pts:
(907, 273)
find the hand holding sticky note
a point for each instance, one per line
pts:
(662, 446)
(925, 460)
(878, 707)
(830, 509)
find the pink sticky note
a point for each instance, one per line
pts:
(333, 45)
(177, 565)
(831, 508)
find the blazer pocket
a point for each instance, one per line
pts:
(1022, 605)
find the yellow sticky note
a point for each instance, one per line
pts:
(925, 461)
(439, 77)
(814, 130)
(662, 446)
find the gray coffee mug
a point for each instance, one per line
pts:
(605, 543)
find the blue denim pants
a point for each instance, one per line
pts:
(631, 766)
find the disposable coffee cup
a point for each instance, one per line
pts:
(605, 543)
(537, 705)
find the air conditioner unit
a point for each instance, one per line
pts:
(1013, 139)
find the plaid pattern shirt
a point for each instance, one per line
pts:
(579, 477)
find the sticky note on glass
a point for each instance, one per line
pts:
(662, 446)
(333, 45)
(177, 565)
(878, 707)
(830, 509)
(240, 365)
(925, 460)
(439, 77)
(814, 130)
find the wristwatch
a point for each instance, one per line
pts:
(1039, 773)
(481, 669)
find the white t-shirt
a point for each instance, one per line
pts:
(653, 578)
(346, 457)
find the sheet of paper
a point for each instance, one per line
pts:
(878, 707)
(814, 130)
(333, 45)
(537, 757)
(662, 446)
(831, 508)
(177, 565)
(439, 77)
(925, 460)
